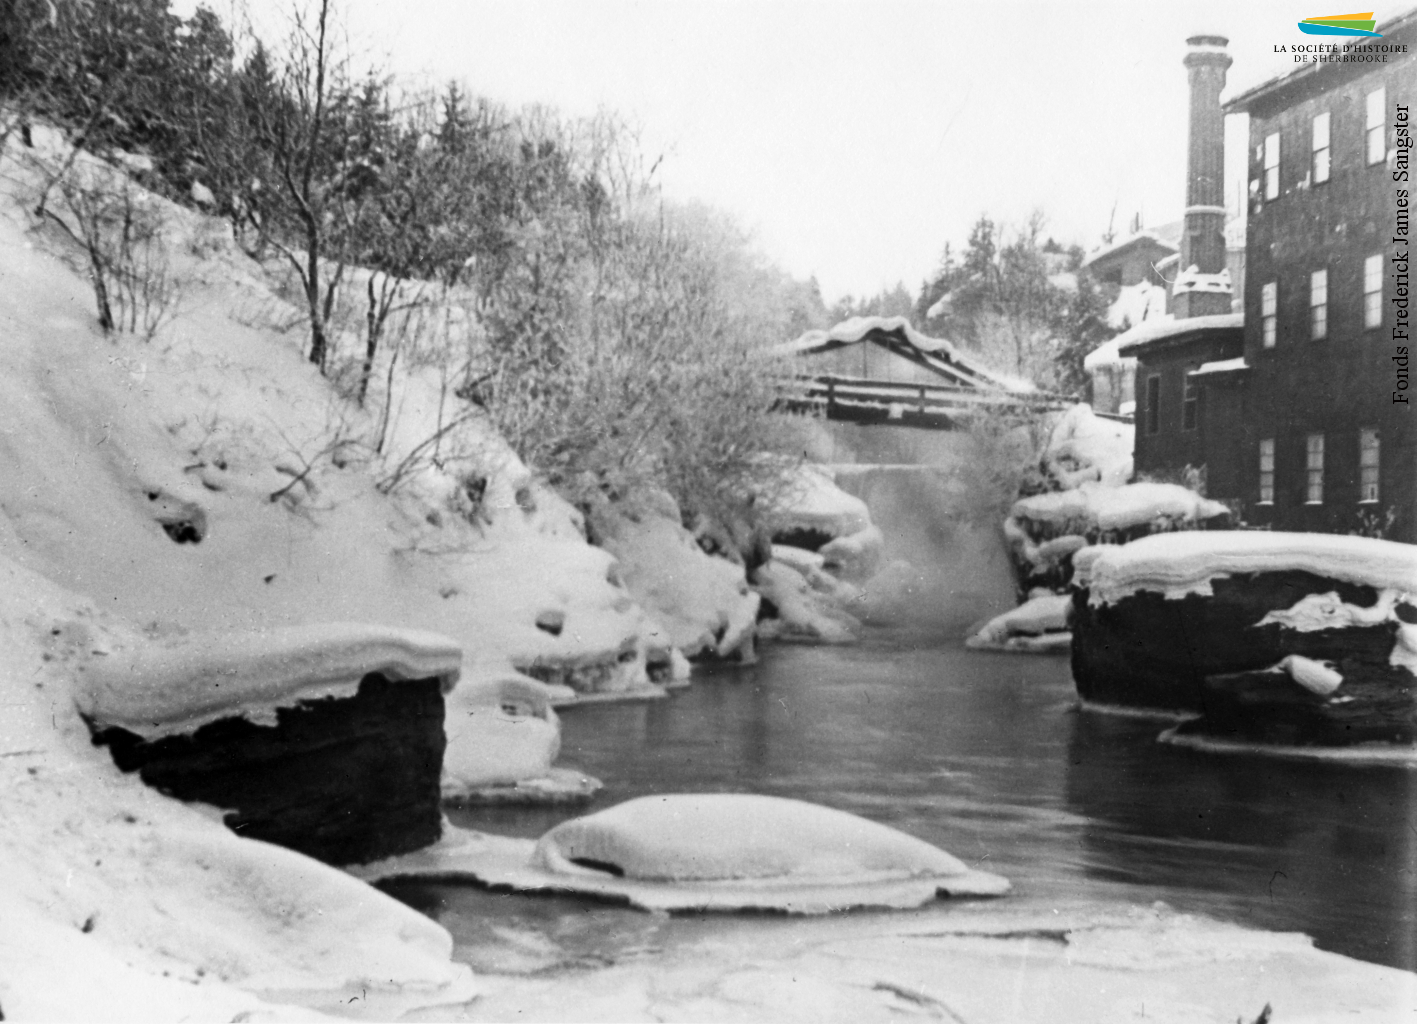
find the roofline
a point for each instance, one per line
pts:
(1136, 348)
(1122, 246)
(1242, 103)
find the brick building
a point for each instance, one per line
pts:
(1298, 426)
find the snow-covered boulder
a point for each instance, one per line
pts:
(712, 851)
(503, 735)
(699, 603)
(1038, 625)
(327, 739)
(796, 609)
(1083, 447)
(811, 512)
(1287, 637)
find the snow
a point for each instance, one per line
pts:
(1122, 243)
(698, 603)
(1045, 614)
(1098, 507)
(174, 684)
(1221, 366)
(811, 502)
(1169, 326)
(1315, 676)
(502, 731)
(1106, 354)
(804, 611)
(1192, 280)
(712, 851)
(1083, 446)
(1134, 304)
(1177, 564)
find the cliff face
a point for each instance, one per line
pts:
(346, 779)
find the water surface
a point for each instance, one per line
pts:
(986, 756)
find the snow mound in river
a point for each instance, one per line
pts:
(710, 851)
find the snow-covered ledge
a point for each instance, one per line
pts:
(1289, 638)
(327, 739)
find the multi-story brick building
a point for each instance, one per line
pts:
(1300, 427)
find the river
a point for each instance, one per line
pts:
(983, 754)
(986, 756)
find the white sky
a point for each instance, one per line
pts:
(854, 138)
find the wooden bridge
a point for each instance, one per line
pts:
(932, 406)
(896, 376)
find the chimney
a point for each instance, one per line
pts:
(1202, 286)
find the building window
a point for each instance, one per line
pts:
(1271, 166)
(1314, 464)
(1190, 398)
(1377, 123)
(1373, 291)
(1267, 471)
(1321, 149)
(1269, 313)
(1318, 305)
(1368, 465)
(1153, 404)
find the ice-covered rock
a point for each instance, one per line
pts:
(1083, 447)
(812, 513)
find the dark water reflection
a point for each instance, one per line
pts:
(984, 755)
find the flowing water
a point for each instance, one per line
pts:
(987, 756)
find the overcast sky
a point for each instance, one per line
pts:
(855, 138)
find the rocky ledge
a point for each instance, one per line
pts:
(1295, 639)
(325, 739)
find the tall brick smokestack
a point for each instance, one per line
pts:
(1203, 239)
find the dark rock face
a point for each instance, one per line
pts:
(345, 780)
(1373, 705)
(1147, 651)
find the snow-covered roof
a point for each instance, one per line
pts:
(1176, 564)
(1135, 303)
(180, 683)
(936, 352)
(1221, 366)
(1106, 354)
(1121, 244)
(1169, 327)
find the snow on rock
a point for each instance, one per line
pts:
(177, 683)
(1039, 624)
(700, 603)
(1094, 508)
(1198, 621)
(712, 851)
(155, 887)
(1084, 447)
(503, 736)
(1177, 564)
(814, 514)
(800, 610)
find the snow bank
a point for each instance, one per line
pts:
(1176, 564)
(156, 888)
(699, 603)
(711, 851)
(501, 731)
